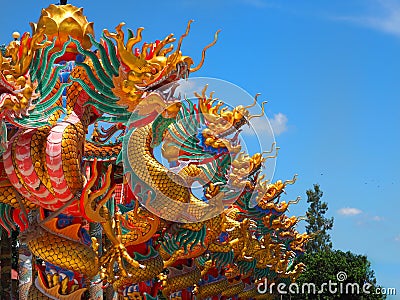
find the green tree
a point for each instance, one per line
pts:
(345, 270)
(318, 224)
(349, 274)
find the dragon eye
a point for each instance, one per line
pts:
(154, 71)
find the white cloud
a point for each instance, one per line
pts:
(257, 125)
(279, 123)
(397, 238)
(377, 218)
(385, 17)
(368, 220)
(349, 211)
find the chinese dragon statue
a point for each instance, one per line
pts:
(95, 206)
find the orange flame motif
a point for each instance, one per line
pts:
(152, 65)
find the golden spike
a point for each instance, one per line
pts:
(203, 53)
(127, 57)
(22, 58)
(165, 51)
(262, 111)
(168, 40)
(55, 279)
(143, 54)
(254, 103)
(241, 154)
(204, 90)
(118, 37)
(136, 39)
(1, 60)
(203, 94)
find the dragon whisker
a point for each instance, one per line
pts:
(254, 103)
(178, 48)
(270, 151)
(262, 111)
(203, 53)
(292, 181)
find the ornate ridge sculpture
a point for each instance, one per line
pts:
(154, 237)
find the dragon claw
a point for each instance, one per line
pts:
(116, 255)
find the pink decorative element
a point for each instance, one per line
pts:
(55, 167)
(54, 162)
(12, 176)
(35, 191)
(26, 168)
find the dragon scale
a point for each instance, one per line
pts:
(167, 184)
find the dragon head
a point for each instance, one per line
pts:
(243, 166)
(268, 192)
(151, 67)
(221, 120)
(16, 87)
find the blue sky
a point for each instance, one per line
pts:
(330, 71)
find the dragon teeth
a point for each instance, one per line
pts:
(140, 87)
(181, 71)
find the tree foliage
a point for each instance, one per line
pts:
(349, 274)
(325, 265)
(318, 224)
